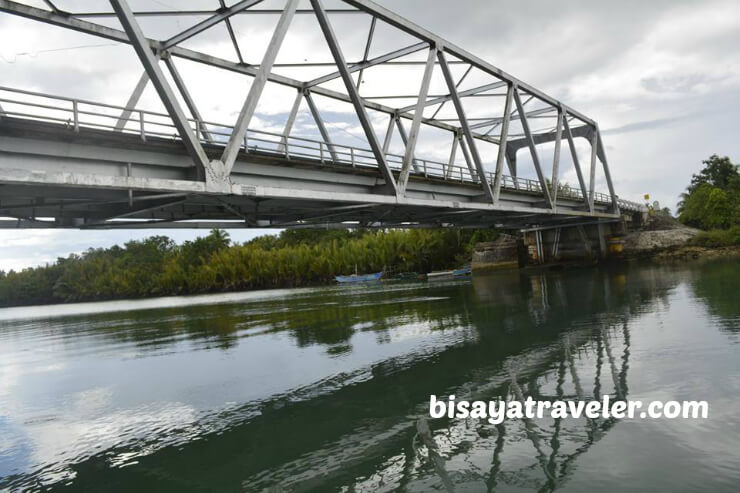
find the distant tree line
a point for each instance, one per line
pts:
(156, 266)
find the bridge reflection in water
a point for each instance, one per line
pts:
(585, 363)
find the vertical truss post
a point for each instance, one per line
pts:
(320, 123)
(133, 100)
(556, 158)
(408, 156)
(592, 175)
(453, 154)
(189, 102)
(502, 144)
(290, 121)
(511, 164)
(389, 134)
(532, 147)
(405, 138)
(464, 123)
(607, 174)
(354, 96)
(367, 50)
(258, 84)
(576, 163)
(151, 65)
(468, 159)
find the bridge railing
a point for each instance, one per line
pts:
(79, 113)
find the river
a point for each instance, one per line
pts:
(325, 389)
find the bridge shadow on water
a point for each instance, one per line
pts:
(549, 335)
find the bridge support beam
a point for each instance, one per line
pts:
(464, 124)
(532, 147)
(258, 84)
(189, 101)
(320, 124)
(408, 157)
(556, 158)
(354, 96)
(151, 65)
(503, 139)
(290, 122)
(453, 154)
(404, 138)
(133, 100)
(575, 242)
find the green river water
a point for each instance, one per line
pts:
(326, 389)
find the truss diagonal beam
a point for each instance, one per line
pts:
(592, 173)
(320, 123)
(461, 94)
(464, 124)
(532, 148)
(607, 174)
(370, 34)
(576, 162)
(404, 138)
(209, 22)
(230, 29)
(189, 102)
(133, 100)
(151, 65)
(408, 156)
(515, 116)
(502, 145)
(290, 121)
(556, 158)
(453, 154)
(389, 134)
(258, 84)
(354, 96)
(459, 83)
(369, 63)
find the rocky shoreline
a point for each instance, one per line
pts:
(691, 252)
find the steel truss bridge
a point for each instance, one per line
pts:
(69, 162)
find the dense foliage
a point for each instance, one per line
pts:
(712, 200)
(157, 266)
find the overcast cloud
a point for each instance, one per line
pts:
(662, 78)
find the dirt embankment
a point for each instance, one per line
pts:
(651, 241)
(664, 238)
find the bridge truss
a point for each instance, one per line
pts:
(67, 162)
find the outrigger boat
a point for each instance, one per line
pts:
(446, 274)
(360, 278)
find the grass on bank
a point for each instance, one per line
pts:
(717, 238)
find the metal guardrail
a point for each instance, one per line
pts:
(80, 113)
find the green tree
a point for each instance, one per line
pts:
(712, 199)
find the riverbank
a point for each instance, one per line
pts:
(694, 252)
(157, 266)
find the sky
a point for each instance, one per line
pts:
(662, 79)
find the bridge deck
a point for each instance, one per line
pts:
(93, 165)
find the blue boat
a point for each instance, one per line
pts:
(360, 278)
